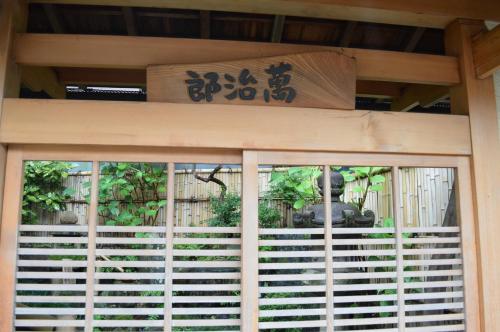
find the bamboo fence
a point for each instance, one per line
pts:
(424, 196)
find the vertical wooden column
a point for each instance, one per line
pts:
(398, 224)
(250, 243)
(476, 98)
(327, 200)
(8, 238)
(169, 248)
(91, 247)
(465, 213)
(13, 17)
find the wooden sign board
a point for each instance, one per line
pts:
(316, 79)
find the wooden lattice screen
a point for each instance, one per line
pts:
(177, 278)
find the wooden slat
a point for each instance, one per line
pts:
(292, 324)
(129, 299)
(48, 323)
(129, 264)
(53, 228)
(91, 245)
(398, 223)
(206, 299)
(130, 154)
(131, 229)
(169, 260)
(292, 277)
(420, 13)
(349, 159)
(215, 241)
(174, 125)
(50, 299)
(293, 312)
(292, 265)
(139, 52)
(327, 203)
(291, 289)
(208, 230)
(434, 318)
(11, 217)
(43, 239)
(291, 254)
(486, 52)
(289, 231)
(207, 264)
(250, 243)
(293, 243)
(51, 263)
(206, 322)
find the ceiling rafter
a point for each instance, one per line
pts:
(128, 15)
(278, 26)
(205, 24)
(414, 39)
(53, 17)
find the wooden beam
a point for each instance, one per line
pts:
(423, 95)
(185, 125)
(43, 79)
(476, 98)
(278, 26)
(138, 52)
(425, 13)
(486, 52)
(205, 24)
(348, 32)
(128, 16)
(54, 21)
(414, 39)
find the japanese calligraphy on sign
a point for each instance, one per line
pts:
(203, 87)
(319, 79)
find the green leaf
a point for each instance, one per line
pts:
(299, 204)
(69, 192)
(357, 189)
(377, 179)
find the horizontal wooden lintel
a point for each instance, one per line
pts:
(90, 51)
(32, 121)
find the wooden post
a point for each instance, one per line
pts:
(8, 238)
(169, 248)
(398, 224)
(327, 201)
(250, 244)
(13, 14)
(476, 98)
(91, 247)
(465, 213)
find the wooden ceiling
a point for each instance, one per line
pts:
(110, 20)
(184, 23)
